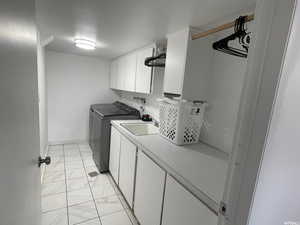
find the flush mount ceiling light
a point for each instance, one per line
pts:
(85, 44)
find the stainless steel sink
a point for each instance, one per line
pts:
(139, 129)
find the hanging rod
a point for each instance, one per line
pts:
(219, 28)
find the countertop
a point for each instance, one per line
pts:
(201, 168)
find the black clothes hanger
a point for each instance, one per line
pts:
(156, 61)
(240, 33)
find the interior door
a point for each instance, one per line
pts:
(19, 121)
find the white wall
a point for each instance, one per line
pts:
(276, 200)
(74, 83)
(226, 80)
(224, 93)
(42, 90)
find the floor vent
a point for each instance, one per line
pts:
(93, 174)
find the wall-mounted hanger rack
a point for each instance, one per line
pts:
(219, 28)
(241, 34)
(156, 61)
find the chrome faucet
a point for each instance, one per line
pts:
(143, 100)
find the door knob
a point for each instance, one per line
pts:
(46, 160)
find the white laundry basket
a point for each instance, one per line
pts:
(180, 120)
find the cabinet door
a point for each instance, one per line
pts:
(149, 188)
(127, 169)
(121, 73)
(181, 207)
(114, 74)
(143, 73)
(176, 62)
(129, 72)
(114, 157)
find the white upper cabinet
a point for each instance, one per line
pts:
(129, 73)
(188, 65)
(143, 73)
(121, 77)
(175, 62)
(181, 207)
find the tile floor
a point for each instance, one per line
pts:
(70, 196)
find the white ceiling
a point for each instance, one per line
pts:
(124, 25)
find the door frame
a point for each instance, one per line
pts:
(273, 21)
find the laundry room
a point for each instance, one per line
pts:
(141, 112)
(147, 93)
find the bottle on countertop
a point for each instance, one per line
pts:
(146, 117)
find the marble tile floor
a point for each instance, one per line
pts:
(70, 196)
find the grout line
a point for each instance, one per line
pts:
(52, 210)
(80, 203)
(85, 221)
(52, 193)
(123, 201)
(65, 170)
(84, 167)
(106, 196)
(111, 213)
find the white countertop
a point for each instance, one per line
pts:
(199, 167)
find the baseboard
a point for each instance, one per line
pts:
(76, 141)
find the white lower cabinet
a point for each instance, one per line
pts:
(149, 188)
(158, 198)
(181, 207)
(127, 169)
(114, 156)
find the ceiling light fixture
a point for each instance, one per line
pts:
(85, 44)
